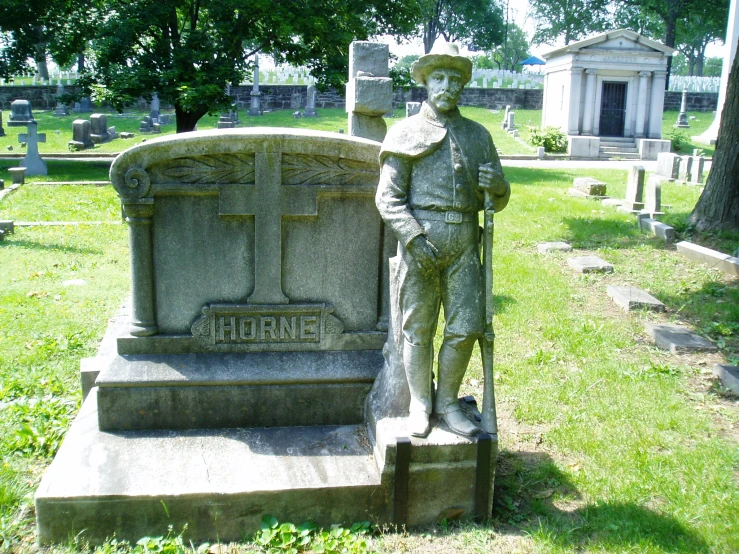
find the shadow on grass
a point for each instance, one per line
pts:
(526, 486)
(593, 233)
(32, 245)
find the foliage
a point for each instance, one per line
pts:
(678, 139)
(568, 20)
(476, 23)
(189, 50)
(711, 66)
(275, 537)
(515, 49)
(553, 139)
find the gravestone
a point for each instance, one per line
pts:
(255, 104)
(728, 375)
(60, 109)
(369, 92)
(17, 175)
(696, 170)
(80, 135)
(678, 339)
(146, 125)
(32, 161)
(412, 108)
(2, 131)
(653, 197)
(20, 114)
(686, 167)
(154, 110)
(590, 264)
(547, 247)
(587, 187)
(510, 121)
(505, 117)
(632, 298)
(668, 165)
(225, 121)
(682, 117)
(253, 341)
(310, 103)
(634, 190)
(99, 128)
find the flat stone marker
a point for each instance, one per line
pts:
(587, 187)
(728, 375)
(590, 264)
(546, 247)
(678, 339)
(724, 262)
(632, 298)
(657, 228)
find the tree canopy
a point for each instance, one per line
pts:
(569, 20)
(478, 24)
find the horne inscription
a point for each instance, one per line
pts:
(271, 324)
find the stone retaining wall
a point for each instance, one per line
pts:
(292, 97)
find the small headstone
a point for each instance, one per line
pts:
(682, 117)
(2, 186)
(20, 114)
(634, 190)
(696, 170)
(125, 135)
(540, 152)
(83, 106)
(631, 298)
(157, 128)
(310, 104)
(653, 197)
(412, 108)
(504, 125)
(154, 110)
(511, 124)
(590, 264)
(657, 228)
(678, 339)
(547, 247)
(8, 226)
(686, 166)
(17, 175)
(32, 161)
(164, 119)
(728, 375)
(99, 128)
(668, 165)
(80, 135)
(60, 109)
(2, 131)
(112, 133)
(587, 187)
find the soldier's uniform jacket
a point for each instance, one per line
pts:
(430, 163)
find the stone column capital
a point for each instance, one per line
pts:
(645, 74)
(591, 71)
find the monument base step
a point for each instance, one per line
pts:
(219, 482)
(265, 389)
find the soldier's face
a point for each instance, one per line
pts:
(444, 87)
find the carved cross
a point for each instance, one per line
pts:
(268, 200)
(32, 138)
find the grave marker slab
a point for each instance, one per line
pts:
(686, 167)
(712, 258)
(678, 339)
(546, 247)
(590, 264)
(657, 228)
(20, 114)
(99, 128)
(631, 298)
(587, 187)
(728, 375)
(634, 190)
(2, 131)
(653, 197)
(80, 135)
(668, 165)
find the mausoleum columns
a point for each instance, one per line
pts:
(143, 317)
(656, 105)
(573, 119)
(641, 104)
(589, 108)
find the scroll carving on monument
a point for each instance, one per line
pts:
(209, 169)
(305, 169)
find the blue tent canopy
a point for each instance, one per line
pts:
(533, 60)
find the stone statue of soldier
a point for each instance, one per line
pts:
(435, 168)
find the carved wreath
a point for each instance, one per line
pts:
(304, 169)
(210, 169)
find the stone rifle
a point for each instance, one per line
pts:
(487, 341)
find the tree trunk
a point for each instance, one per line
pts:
(81, 62)
(718, 207)
(186, 121)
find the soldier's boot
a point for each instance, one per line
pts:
(417, 360)
(452, 366)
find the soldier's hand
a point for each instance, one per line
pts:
(491, 179)
(423, 252)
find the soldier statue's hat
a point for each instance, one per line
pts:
(443, 54)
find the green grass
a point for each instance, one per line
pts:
(608, 444)
(61, 171)
(330, 119)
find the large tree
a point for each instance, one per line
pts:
(29, 29)
(187, 51)
(568, 20)
(718, 207)
(476, 23)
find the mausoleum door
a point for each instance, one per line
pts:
(613, 109)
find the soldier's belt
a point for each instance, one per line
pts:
(448, 216)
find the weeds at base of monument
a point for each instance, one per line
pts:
(287, 537)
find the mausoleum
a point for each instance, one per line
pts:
(610, 85)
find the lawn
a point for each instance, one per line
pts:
(59, 129)
(607, 443)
